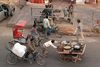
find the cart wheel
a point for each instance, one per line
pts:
(76, 59)
(40, 59)
(63, 58)
(11, 58)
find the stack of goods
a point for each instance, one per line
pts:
(78, 47)
(71, 46)
(19, 50)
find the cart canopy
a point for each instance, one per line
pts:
(20, 23)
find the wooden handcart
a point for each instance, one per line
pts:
(74, 56)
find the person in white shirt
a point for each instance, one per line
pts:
(78, 31)
(46, 45)
(46, 25)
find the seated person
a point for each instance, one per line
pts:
(50, 10)
(50, 5)
(52, 23)
(45, 11)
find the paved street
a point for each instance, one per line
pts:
(80, 12)
(90, 59)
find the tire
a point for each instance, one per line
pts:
(37, 42)
(39, 28)
(76, 60)
(40, 59)
(11, 58)
(42, 41)
(57, 33)
(62, 58)
(42, 33)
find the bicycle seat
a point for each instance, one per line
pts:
(43, 13)
(39, 21)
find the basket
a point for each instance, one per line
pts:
(67, 48)
(60, 48)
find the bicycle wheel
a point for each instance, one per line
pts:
(42, 33)
(57, 33)
(40, 59)
(11, 58)
(37, 40)
(63, 58)
(96, 29)
(42, 41)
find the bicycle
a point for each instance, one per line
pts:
(12, 58)
(38, 40)
(96, 28)
(54, 30)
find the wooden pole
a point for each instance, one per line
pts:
(31, 13)
(92, 19)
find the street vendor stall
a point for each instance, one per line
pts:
(71, 51)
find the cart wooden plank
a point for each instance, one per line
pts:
(80, 53)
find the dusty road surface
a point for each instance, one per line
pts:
(90, 58)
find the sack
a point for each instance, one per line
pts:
(19, 49)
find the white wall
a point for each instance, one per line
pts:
(80, 1)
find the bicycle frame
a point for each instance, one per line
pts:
(52, 30)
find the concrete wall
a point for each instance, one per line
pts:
(80, 1)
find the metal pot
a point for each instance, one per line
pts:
(77, 47)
